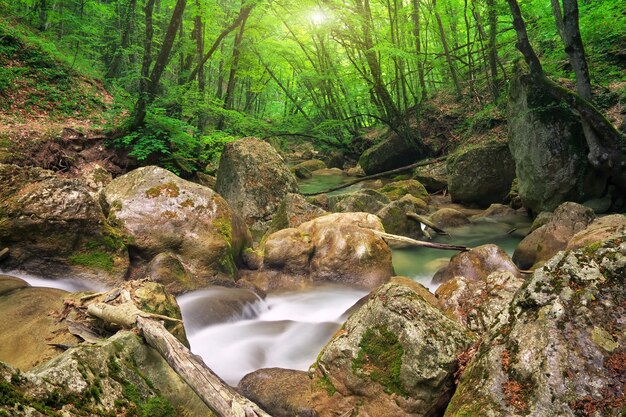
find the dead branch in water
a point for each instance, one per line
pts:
(406, 241)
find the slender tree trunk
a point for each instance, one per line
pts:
(229, 98)
(142, 99)
(116, 64)
(446, 50)
(492, 18)
(199, 35)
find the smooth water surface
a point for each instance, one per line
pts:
(319, 183)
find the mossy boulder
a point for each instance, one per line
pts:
(548, 145)
(392, 152)
(558, 350)
(394, 218)
(398, 189)
(254, 179)
(545, 241)
(159, 212)
(293, 211)
(367, 201)
(338, 248)
(433, 176)
(481, 175)
(54, 227)
(396, 355)
(310, 165)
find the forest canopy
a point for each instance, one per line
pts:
(190, 75)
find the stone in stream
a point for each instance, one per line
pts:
(476, 264)
(160, 213)
(395, 356)
(367, 201)
(55, 228)
(545, 241)
(392, 152)
(394, 218)
(337, 248)
(397, 189)
(549, 148)
(434, 177)
(293, 211)
(254, 179)
(446, 218)
(481, 175)
(558, 350)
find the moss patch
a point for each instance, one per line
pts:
(380, 357)
(93, 259)
(169, 189)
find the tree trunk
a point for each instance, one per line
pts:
(418, 47)
(492, 18)
(142, 99)
(229, 97)
(116, 64)
(446, 50)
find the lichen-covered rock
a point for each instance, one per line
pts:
(397, 189)
(434, 176)
(446, 217)
(54, 227)
(558, 350)
(366, 201)
(544, 242)
(166, 269)
(254, 179)
(481, 175)
(395, 356)
(476, 264)
(599, 230)
(338, 247)
(476, 303)
(95, 176)
(549, 148)
(159, 212)
(293, 211)
(394, 218)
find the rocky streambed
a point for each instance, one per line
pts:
(305, 297)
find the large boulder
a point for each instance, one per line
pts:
(159, 212)
(600, 229)
(54, 227)
(475, 303)
(397, 189)
(395, 356)
(367, 201)
(476, 264)
(558, 350)
(447, 217)
(293, 211)
(545, 241)
(254, 179)
(392, 152)
(481, 175)
(548, 145)
(338, 248)
(433, 176)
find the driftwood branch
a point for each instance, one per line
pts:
(212, 390)
(406, 241)
(379, 175)
(215, 393)
(426, 222)
(4, 253)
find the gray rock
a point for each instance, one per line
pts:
(367, 201)
(481, 175)
(558, 350)
(254, 179)
(162, 213)
(293, 211)
(396, 355)
(434, 176)
(549, 148)
(390, 153)
(394, 219)
(55, 228)
(446, 218)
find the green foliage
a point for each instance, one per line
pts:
(157, 407)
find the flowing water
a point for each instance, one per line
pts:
(289, 329)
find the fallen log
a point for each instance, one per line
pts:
(212, 390)
(426, 222)
(406, 241)
(4, 253)
(379, 175)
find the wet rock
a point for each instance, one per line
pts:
(481, 175)
(446, 218)
(281, 392)
(293, 211)
(161, 213)
(166, 269)
(329, 171)
(356, 171)
(394, 218)
(545, 241)
(254, 180)
(542, 218)
(392, 152)
(367, 201)
(434, 176)
(558, 348)
(55, 228)
(549, 148)
(310, 165)
(333, 248)
(476, 303)
(9, 284)
(394, 356)
(496, 212)
(476, 264)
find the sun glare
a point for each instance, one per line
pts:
(318, 18)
